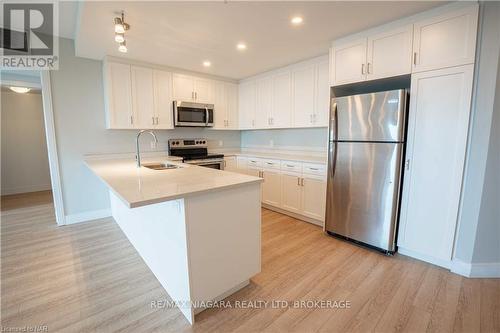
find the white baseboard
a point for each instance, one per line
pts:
(87, 216)
(476, 270)
(26, 189)
(424, 257)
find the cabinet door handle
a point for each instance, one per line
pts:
(415, 58)
(362, 69)
(157, 120)
(153, 120)
(131, 120)
(298, 181)
(196, 95)
(368, 68)
(302, 181)
(192, 95)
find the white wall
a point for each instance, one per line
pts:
(78, 102)
(477, 236)
(25, 165)
(487, 243)
(300, 139)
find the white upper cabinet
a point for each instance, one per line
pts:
(304, 81)
(322, 94)
(376, 56)
(446, 40)
(349, 62)
(143, 97)
(203, 90)
(220, 105)
(183, 87)
(389, 53)
(226, 105)
(232, 114)
(163, 105)
(118, 95)
(137, 97)
(193, 89)
(429, 41)
(295, 96)
(247, 104)
(311, 94)
(264, 102)
(281, 113)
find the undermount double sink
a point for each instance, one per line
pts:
(161, 166)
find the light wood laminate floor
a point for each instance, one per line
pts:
(87, 277)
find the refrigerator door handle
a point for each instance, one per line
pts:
(332, 158)
(333, 121)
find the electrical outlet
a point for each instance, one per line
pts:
(221, 143)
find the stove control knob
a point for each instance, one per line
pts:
(204, 142)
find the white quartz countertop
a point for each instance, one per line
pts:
(142, 186)
(280, 156)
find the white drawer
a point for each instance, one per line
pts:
(314, 169)
(254, 162)
(271, 164)
(291, 166)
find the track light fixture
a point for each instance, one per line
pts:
(120, 27)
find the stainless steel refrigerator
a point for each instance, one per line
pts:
(366, 147)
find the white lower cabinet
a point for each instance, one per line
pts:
(271, 188)
(313, 199)
(291, 193)
(437, 139)
(230, 163)
(292, 186)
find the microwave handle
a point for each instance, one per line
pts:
(206, 116)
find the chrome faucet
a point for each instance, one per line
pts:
(137, 150)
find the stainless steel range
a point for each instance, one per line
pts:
(195, 151)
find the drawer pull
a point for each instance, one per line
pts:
(270, 163)
(315, 169)
(289, 166)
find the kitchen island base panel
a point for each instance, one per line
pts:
(201, 248)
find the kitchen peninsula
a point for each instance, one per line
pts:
(197, 229)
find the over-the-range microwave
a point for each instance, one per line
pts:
(189, 114)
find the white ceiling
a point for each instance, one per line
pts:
(184, 34)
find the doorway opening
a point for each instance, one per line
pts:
(29, 170)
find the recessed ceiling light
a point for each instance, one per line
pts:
(20, 90)
(296, 20)
(241, 46)
(207, 63)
